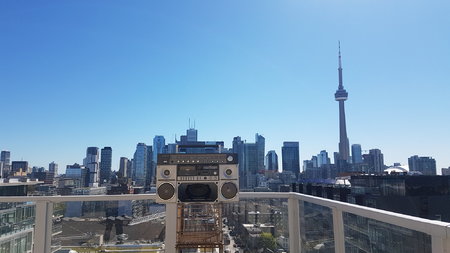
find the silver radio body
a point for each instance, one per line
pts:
(185, 178)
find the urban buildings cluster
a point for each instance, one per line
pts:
(257, 170)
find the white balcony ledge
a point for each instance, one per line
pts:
(439, 232)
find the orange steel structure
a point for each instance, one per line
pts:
(199, 226)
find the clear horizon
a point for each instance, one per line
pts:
(112, 73)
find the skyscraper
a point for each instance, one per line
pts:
(53, 168)
(423, 164)
(172, 148)
(250, 166)
(356, 154)
(123, 167)
(290, 155)
(150, 167)
(159, 144)
(140, 163)
(272, 161)
(322, 158)
(52, 172)
(238, 148)
(5, 157)
(105, 165)
(191, 134)
(19, 166)
(445, 171)
(5, 163)
(79, 173)
(374, 161)
(251, 160)
(260, 142)
(341, 95)
(92, 166)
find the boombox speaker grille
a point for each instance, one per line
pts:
(229, 190)
(166, 191)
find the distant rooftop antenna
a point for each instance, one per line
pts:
(194, 123)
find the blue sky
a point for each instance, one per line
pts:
(114, 73)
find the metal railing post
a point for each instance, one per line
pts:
(294, 224)
(338, 231)
(440, 244)
(171, 228)
(43, 227)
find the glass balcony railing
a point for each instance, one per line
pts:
(274, 222)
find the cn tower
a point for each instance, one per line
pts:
(341, 95)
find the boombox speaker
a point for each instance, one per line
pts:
(186, 178)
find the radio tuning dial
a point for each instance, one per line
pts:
(230, 158)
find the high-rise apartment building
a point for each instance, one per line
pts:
(272, 161)
(18, 220)
(91, 162)
(290, 156)
(105, 165)
(425, 165)
(356, 154)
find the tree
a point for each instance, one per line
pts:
(267, 241)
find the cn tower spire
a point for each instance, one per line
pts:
(341, 85)
(341, 96)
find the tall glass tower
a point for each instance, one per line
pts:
(290, 156)
(105, 165)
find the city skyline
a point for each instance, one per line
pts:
(323, 156)
(76, 79)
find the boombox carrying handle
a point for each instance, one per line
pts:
(197, 146)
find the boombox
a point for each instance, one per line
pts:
(197, 178)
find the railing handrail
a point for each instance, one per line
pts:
(432, 227)
(69, 198)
